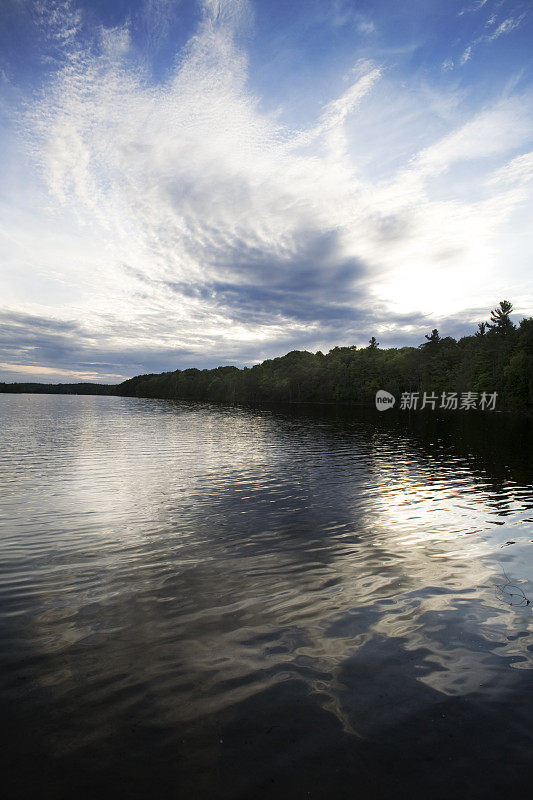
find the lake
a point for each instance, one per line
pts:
(202, 601)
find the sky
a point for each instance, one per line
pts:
(219, 182)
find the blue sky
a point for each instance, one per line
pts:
(202, 183)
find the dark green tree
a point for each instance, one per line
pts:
(432, 339)
(500, 318)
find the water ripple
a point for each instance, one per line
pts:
(167, 567)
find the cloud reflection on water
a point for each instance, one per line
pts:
(198, 557)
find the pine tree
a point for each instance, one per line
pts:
(500, 318)
(432, 339)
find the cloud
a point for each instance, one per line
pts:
(495, 130)
(366, 26)
(466, 55)
(155, 21)
(473, 9)
(53, 349)
(182, 222)
(518, 171)
(340, 13)
(508, 25)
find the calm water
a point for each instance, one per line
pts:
(208, 602)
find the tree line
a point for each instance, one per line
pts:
(57, 388)
(497, 357)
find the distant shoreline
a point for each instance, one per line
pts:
(58, 388)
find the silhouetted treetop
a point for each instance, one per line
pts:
(433, 338)
(500, 318)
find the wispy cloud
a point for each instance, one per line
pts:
(518, 171)
(474, 8)
(184, 222)
(466, 55)
(508, 25)
(366, 26)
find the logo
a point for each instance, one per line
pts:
(384, 400)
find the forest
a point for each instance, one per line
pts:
(57, 388)
(497, 357)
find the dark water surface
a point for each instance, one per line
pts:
(209, 602)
